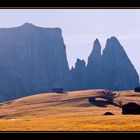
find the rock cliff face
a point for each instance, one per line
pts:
(32, 60)
(94, 66)
(118, 71)
(79, 75)
(112, 70)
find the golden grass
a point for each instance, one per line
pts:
(75, 123)
(66, 112)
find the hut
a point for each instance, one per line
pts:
(58, 90)
(137, 89)
(131, 108)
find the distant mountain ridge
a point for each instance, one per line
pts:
(112, 70)
(33, 60)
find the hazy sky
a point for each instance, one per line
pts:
(80, 27)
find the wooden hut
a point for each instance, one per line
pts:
(131, 108)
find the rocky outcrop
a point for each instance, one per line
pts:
(112, 70)
(94, 66)
(32, 60)
(79, 75)
(118, 73)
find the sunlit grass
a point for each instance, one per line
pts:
(92, 123)
(69, 112)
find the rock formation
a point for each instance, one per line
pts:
(118, 73)
(79, 75)
(112, 70)
(32, 60)
(94, 66)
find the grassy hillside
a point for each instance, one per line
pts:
(67, 112)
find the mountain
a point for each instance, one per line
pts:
(118, 71)
(79, 75)
(111, 70)
(32, 60)
(94, 66)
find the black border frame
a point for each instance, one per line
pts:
(74, 4)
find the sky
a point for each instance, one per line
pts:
(80, 27)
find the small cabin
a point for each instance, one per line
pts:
(131, 108)
(58, 90)
(137, 89)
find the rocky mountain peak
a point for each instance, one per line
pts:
(28, 25)
(96, 51)
(113, 43)
(80, 62)
(112, 70)
(119, 72)
(79, 75)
